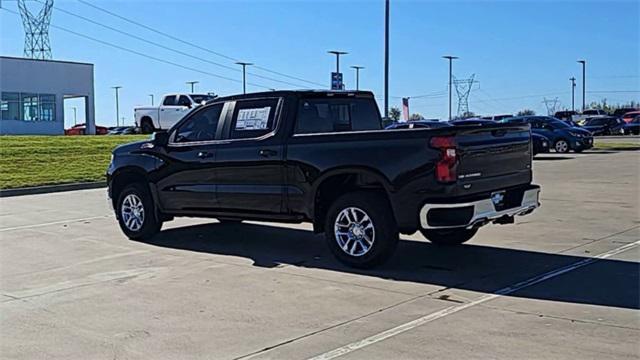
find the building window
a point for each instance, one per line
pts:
(10, 106)
(47, 107)
(28, 106)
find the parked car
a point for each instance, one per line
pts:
(472, 121)
(566, 115)
(122, 130)
(630, 116)
(540, 144)
(323, 157)
(417, 125)
(172, 108)
(562, 136)
(497, 117)
(633, 126)
(621, 111)
(81, 129)
(593, 112)
(607, 125)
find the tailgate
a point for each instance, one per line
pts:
(498, 154)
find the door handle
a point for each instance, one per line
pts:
(268, 153)
(204, 154)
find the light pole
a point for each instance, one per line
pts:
(75, 120)
(584, 65)
(386, 58)
(116, 88)
(357, 75)
(337, 54)
(192, 83)
(244, 75)
(450, 58)
(151, 95)
(573, 93)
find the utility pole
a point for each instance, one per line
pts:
(244, 75)
(357, 75)
(573, 93)
(151, 99)
(386, 58)
(584, 92)
(450, 58)
(75, 120)
(116, 88)
(192, 83)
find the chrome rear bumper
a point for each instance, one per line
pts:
(484, 211)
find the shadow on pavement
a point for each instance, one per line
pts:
(478, 268)
(551, 158)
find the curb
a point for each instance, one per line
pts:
(52, 188)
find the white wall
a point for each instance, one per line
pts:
(46, 77)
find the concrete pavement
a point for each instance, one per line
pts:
(73, 287)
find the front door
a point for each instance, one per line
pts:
(187, 179)
(250, 163)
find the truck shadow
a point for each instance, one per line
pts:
(486, 269)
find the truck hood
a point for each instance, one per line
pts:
(130, 147)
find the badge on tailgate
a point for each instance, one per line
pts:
(497, 198)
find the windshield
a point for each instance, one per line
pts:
(200, 98)
(558, 124)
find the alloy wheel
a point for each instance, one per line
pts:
(132, 212)
(354, 231)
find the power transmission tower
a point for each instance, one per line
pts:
(552, 105)
(36, 30)
(463, 88)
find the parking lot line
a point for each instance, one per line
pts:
(54, 223)
(457, 308)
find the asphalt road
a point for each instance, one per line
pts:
(562, 283)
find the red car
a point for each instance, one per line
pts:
(80, 129)
(629, 116)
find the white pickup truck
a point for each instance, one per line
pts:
(172, 108)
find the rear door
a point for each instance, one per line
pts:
(250, 162)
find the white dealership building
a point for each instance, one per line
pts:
(33, 94)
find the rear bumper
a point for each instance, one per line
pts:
(477, 213)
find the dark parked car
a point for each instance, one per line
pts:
(472, 121)
(323, 157)
(633, 126)
(418, 125)
(621, 111)
(604, 125)
(566, 115)
(562, 136)
(540, 144)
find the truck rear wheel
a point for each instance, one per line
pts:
(448, 236)
(360, 230)
(146, 127)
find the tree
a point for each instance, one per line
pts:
(416, 117)
(394, 113)
(526, 112)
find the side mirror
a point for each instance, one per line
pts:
(160, 138)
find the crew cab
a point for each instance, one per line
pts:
(172, 108)
(323, 157)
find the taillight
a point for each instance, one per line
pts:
(446, 166)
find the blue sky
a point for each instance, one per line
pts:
(520, 52)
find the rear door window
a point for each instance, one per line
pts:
(169, 100)
(326, 115)
(253, 118)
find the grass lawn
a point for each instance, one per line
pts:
(45, 160)
(620, 146)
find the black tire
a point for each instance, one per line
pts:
(562, 149)
(448, 237)
(150, 224)
(146, 127)
(578, 150)
(381, 229)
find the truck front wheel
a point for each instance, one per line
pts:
(448, 236)
(360, 230)
(136, 214)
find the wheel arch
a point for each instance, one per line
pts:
(336, 182)
(126, 176)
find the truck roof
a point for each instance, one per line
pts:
(303, 92)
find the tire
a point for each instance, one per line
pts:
(578, 150)
(146, 127)
(367, 240)
(448, 237)
(141, 224)
(561, 146)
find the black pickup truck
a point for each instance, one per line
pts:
(323, 157)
